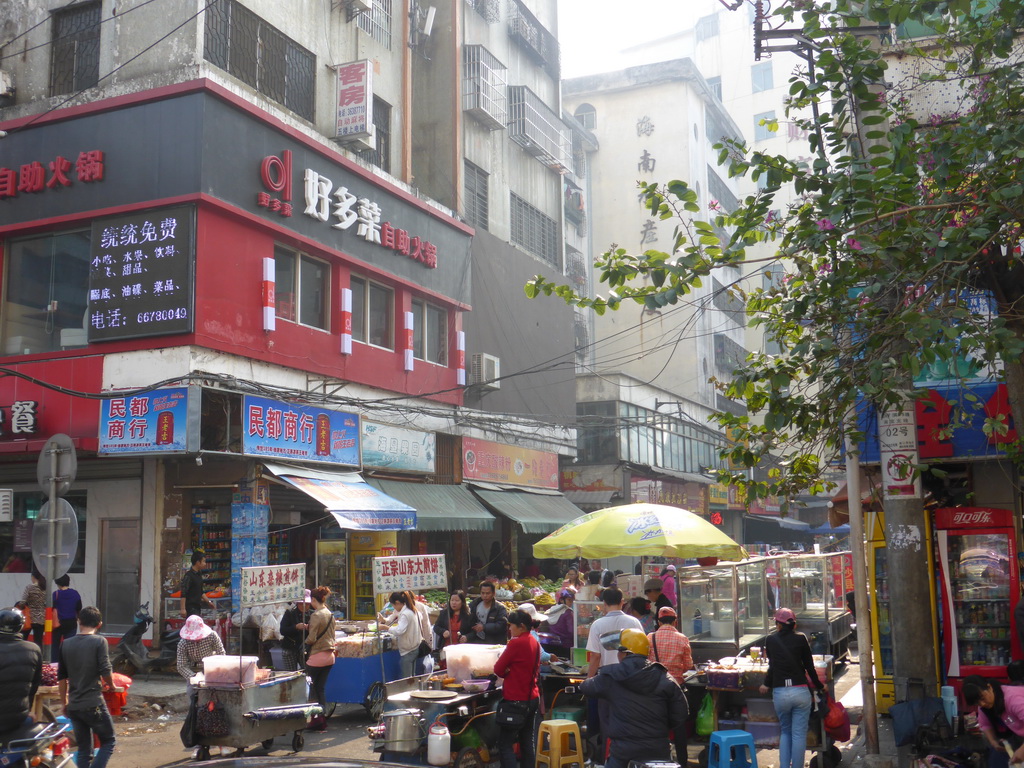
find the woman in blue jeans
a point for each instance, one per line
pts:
(790, 671)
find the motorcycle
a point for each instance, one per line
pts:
(36, 744)
(130, 656)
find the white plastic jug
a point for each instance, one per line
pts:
(439, 745)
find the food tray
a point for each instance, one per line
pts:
(724, 678)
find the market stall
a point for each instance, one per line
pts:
(365, 658)
(238, 704)
(815, 588)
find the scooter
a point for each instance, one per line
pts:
(35, 744)
(130, 656)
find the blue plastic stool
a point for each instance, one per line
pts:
(726, 750)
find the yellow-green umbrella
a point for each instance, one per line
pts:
(639, 530)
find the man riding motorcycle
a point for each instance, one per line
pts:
(21, 670)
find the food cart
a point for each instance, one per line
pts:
(815, 587)
(416, 706)
(727, 608)
(238, 704)
(365, 659)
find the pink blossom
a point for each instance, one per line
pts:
(714, 205)
(854, 244)
(825, 225)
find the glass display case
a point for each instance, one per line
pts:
(726, 608)
(815, 587)
(585, 613)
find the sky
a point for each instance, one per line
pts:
(593, 34)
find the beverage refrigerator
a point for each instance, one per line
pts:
(363, 547)
(977, 555)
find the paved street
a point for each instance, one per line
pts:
(149, 739)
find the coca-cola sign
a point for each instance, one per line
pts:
(972, 517)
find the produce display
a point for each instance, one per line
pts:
(509, 592)
(357, 646)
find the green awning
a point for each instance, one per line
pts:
(535, 512)
(439, 507)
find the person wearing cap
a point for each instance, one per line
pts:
(644, 704)
(21, 671)
(198, 640)
(654, 590)
(671, 647)
(294, 624)
(790, 669)
(530, 610)
(560, 620)
(668, 584)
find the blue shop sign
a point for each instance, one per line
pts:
(275, 429)
(160, 421)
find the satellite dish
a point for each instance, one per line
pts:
(65, 537)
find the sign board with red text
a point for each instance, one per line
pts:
(269, 584)
(396, 574)
(355, 100)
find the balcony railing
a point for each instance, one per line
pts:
(484, 87)
(540, 44)
(538, 129)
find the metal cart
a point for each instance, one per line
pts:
(257, 713)
(362, 679)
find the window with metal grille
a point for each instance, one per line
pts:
(377, 22)
(715, 84)
(476, 200)
(75, 56)
(430, 332)
(258, 54)
(534, 232)
(381, 154)
(761, 77)
(707, 27)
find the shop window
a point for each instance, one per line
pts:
(373, 312)
(46, 293)
(16, 536)
(430, 333)
(257, 53)
(75, 55)
(301, 289)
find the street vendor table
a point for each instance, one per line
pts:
(255, 713)
(361, 680)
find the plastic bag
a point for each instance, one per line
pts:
(706, 716)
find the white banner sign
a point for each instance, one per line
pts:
(267, 584)
(355, 99)
(897, 440)
(395, 574)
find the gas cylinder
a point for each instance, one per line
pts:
(439, 745)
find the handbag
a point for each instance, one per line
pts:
(189, 733)
(212, 720)
(511, 714)
(321, 659)
(423, 650)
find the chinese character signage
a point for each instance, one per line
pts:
(272, 428)
(725, 497)
(673, 493)
(35, 177)
(355, 99)
(161, 421)
(396, 574)
(19, 419)
(268, 584)
(141, 275)
(496, 462)
(388, 447)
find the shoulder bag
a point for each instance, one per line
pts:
(513, 714)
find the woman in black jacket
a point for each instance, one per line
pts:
(452, 625)
(790, 671)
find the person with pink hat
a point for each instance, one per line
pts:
(790, 671)
(198, 640)
(668, 582)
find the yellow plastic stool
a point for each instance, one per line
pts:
(559, 744)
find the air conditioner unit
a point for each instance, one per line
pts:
(6, 83)
(360, 6)
(485, 370)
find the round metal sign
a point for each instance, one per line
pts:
(65, 537)
(63, 448)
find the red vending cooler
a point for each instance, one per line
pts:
(977, 556)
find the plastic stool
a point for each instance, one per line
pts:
(559, 744)
(726, 750)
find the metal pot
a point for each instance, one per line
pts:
(404, 730)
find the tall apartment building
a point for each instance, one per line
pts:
(286, 242)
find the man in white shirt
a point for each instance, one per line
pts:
(614, 620)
